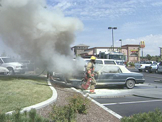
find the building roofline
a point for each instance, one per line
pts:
(80, 45)
(130, 45)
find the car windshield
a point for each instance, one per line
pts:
(148, 62)
(117, 57)
(109, 62)
(145, 62)
(7, 60)
(120, 63)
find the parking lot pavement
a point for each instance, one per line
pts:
(143, 90)
(150, 93)
(108, 93)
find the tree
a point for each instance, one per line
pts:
(148, 57)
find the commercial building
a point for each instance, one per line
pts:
(132, 52)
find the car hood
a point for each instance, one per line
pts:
(12, 64)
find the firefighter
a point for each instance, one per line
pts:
(90, 74)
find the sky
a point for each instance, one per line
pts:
(136, 20)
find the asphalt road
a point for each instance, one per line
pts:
(129, 105)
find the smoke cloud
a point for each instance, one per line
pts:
(37, 33)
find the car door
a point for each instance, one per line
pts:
(111, 75)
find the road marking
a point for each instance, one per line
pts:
(133, 102)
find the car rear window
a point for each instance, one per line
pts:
(109, 62)
(148, 62)
(99, 62)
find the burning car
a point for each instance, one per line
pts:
(111, 75)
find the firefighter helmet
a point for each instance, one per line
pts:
(93, 58)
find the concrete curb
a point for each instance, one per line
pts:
(158, 81)
(42, 104)
(100, 105)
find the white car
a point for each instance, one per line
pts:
(141, 65)
(12, 66)
(4, 71)
(103, 61)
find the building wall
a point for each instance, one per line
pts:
(79, 49)
(79, 52)
(124, 51)
(91, 52)
(132, 52)
(101, 50)
(105, 50)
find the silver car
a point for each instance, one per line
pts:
(113, 75)
(152, 68)
(159, 69)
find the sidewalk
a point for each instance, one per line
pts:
(143, 90)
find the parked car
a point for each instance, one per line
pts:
(141, 65)
(4, 71)
(28, 64)
(152, 68)
(13, 66)
(111, 75)
(103, 61)
(159, 69)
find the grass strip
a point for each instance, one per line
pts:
(19, 93)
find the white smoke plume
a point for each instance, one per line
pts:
(35, 32)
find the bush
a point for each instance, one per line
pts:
(67, 113)
(79, 103)
(63, 114)
(155, 116)
(30, 116)
(131, 64)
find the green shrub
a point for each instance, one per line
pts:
(30, 116)
(67, 113)
(131, 64)
(126, 64)
(63, 114)
(79, 103)
(155, 116)
(2, 117)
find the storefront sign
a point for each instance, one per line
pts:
(142, 44)
(134, 50)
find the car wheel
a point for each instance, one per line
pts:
(150, 71)
(130, 84)
(156, 71)
(140, 70)
(11, 71)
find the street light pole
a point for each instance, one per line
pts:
(121, 44)
(112, 28)
(121, 41)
